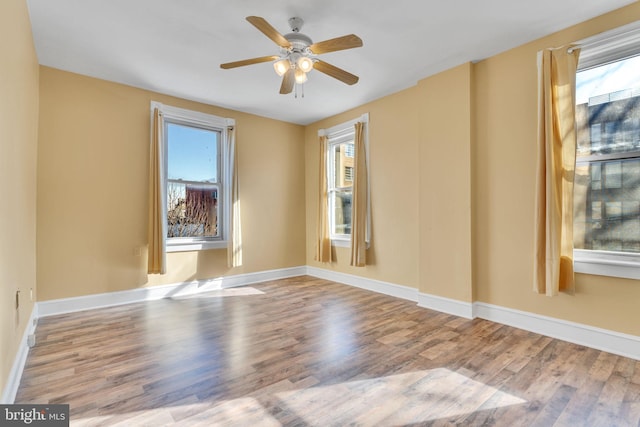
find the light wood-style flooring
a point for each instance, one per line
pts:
(310, 352)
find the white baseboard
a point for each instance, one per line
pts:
(601, 339)
(378, 286)
(13, 382)
(88, 302)
(446, 305)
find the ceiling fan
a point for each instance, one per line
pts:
(299, 55)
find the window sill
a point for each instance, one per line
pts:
(195, 246)
(344, 243)
(604, 263)
(341, 243)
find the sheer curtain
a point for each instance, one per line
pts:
(323, 241)
(553, 251)
(156, 228)
(234, 249)
(360, 200)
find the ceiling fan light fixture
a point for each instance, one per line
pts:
(305, 64)
(300, 76)
(282, 66)
(299, 55)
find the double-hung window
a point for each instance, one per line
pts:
(340, 176)
(607, 180)
(196, 182)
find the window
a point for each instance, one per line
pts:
(195, 181)
(607, 180)
(348, 172)
(349, 151)
(340, 175)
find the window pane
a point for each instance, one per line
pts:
(608, 218)
(341, 204)
(192, 153)
(342, 165)
(192, 210)
(608, 108)
(612, 172)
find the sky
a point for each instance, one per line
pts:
(607, 79)
(192, 153)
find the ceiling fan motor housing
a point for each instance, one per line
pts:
(299, 41)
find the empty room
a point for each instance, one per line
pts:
(284, 213)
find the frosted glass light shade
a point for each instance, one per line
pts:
(281, 66)
(305, 64)
(300, 76)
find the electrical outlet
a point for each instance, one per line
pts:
(137, 251)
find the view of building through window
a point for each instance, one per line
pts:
(192, 181)
(341, 186)
(607, 180)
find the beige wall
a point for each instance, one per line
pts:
(445, 184)
(465, 231)
(393, 145)
(505, 119)
(18, 146)
(92, 190)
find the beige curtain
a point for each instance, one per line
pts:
(156, 228)
(323, 243)
(234, 248)
(553, 269)
(360, 201)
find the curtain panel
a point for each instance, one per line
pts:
(234, 248)
(156, 227)
(556, 159)
(323, 241)
(360, 200)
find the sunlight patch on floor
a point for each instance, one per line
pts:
(409, 398)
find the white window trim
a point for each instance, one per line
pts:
(604, 263)
(208, 121)
(341, 133)
(607, 47)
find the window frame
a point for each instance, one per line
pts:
(612, 46)
(340, 134)
(196, 119)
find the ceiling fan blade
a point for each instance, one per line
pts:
(335, 72)
(248, 62)
(266, 29)
(339, 43)
(287, 82)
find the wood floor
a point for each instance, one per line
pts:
(309, 352)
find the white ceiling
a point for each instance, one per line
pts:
(176, 46)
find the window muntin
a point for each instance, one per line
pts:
(607, 180)
(193, 190)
